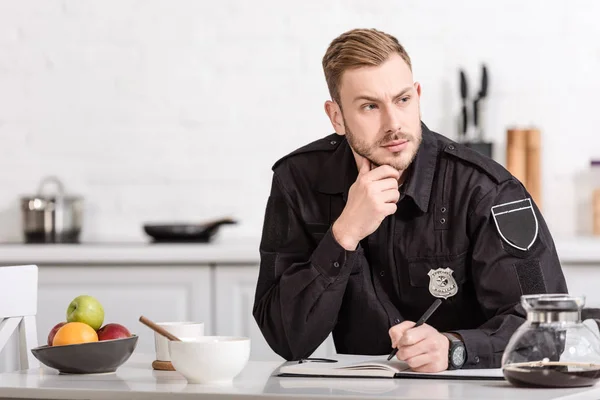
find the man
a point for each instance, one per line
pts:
(366, 227)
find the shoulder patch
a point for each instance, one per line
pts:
(496, 171)
(328, 143)
(516, 223)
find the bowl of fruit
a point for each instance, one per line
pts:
(82, 344)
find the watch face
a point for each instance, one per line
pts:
(458, 356)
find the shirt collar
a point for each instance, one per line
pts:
(419, 182)
(339, 171)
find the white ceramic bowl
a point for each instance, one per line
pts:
(210, 359)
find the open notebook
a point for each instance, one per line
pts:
(377, 367)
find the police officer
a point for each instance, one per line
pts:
(366, 227)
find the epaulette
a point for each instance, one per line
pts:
(490, 167)
(328, 143)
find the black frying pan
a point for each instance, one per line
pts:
(178, 233)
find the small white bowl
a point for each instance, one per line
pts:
(210, 359)
(180, 329)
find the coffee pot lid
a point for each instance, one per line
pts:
(553, 302)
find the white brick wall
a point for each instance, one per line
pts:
(175, 110)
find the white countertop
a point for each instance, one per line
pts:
(576, 250)
(136, 380)
(229, 251)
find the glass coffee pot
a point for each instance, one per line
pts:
(553, 348)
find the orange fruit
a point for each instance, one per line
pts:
(73, 333)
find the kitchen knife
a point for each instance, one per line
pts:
(477, 104)
(463, 95)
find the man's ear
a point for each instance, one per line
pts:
(334, 112)
(417, 86)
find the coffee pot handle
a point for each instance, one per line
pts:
(591, 313)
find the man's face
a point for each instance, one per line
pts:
(380, 113)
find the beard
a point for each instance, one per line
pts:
(400, 161)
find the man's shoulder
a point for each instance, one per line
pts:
(326, 144)
(472, 159)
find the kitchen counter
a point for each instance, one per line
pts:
(136, 380)
(576, 250)
(229, 251)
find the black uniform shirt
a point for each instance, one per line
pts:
(310, 286)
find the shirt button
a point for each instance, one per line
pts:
(336, 264)
(443, 209)
(381, 273)
(451, 147)
(443, 221)
(333, 142)
(396, 321)
(476, 359)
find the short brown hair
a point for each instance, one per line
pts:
(358, 48)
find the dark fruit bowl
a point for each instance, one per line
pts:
(87, 358)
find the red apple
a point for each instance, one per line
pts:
(113, 331)
(53, 332)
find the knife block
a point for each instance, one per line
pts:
(523, 159)
(534, 167)
(516, 154)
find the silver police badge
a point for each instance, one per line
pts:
(442, 283)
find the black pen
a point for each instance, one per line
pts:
(420, 322)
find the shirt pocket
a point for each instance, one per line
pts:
(419, 297)
(419, 269)
(449, 270)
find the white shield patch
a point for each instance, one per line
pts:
(442, 283)
(516, 223)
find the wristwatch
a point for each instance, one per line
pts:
(457, 353)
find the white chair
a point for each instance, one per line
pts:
(18, 307)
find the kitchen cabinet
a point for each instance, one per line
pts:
(161, 293)
(234, 288)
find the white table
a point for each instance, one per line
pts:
(136, 380)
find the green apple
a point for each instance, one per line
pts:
(86, 309)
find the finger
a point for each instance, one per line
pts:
(385, 184)
(419, 361)
(407, 352)
(433, 344)
(383, 172)
(389, 208)
(364, 165)
(390, 196)
(417, 334)
(398, 330)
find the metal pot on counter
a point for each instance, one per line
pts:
(51, 218)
